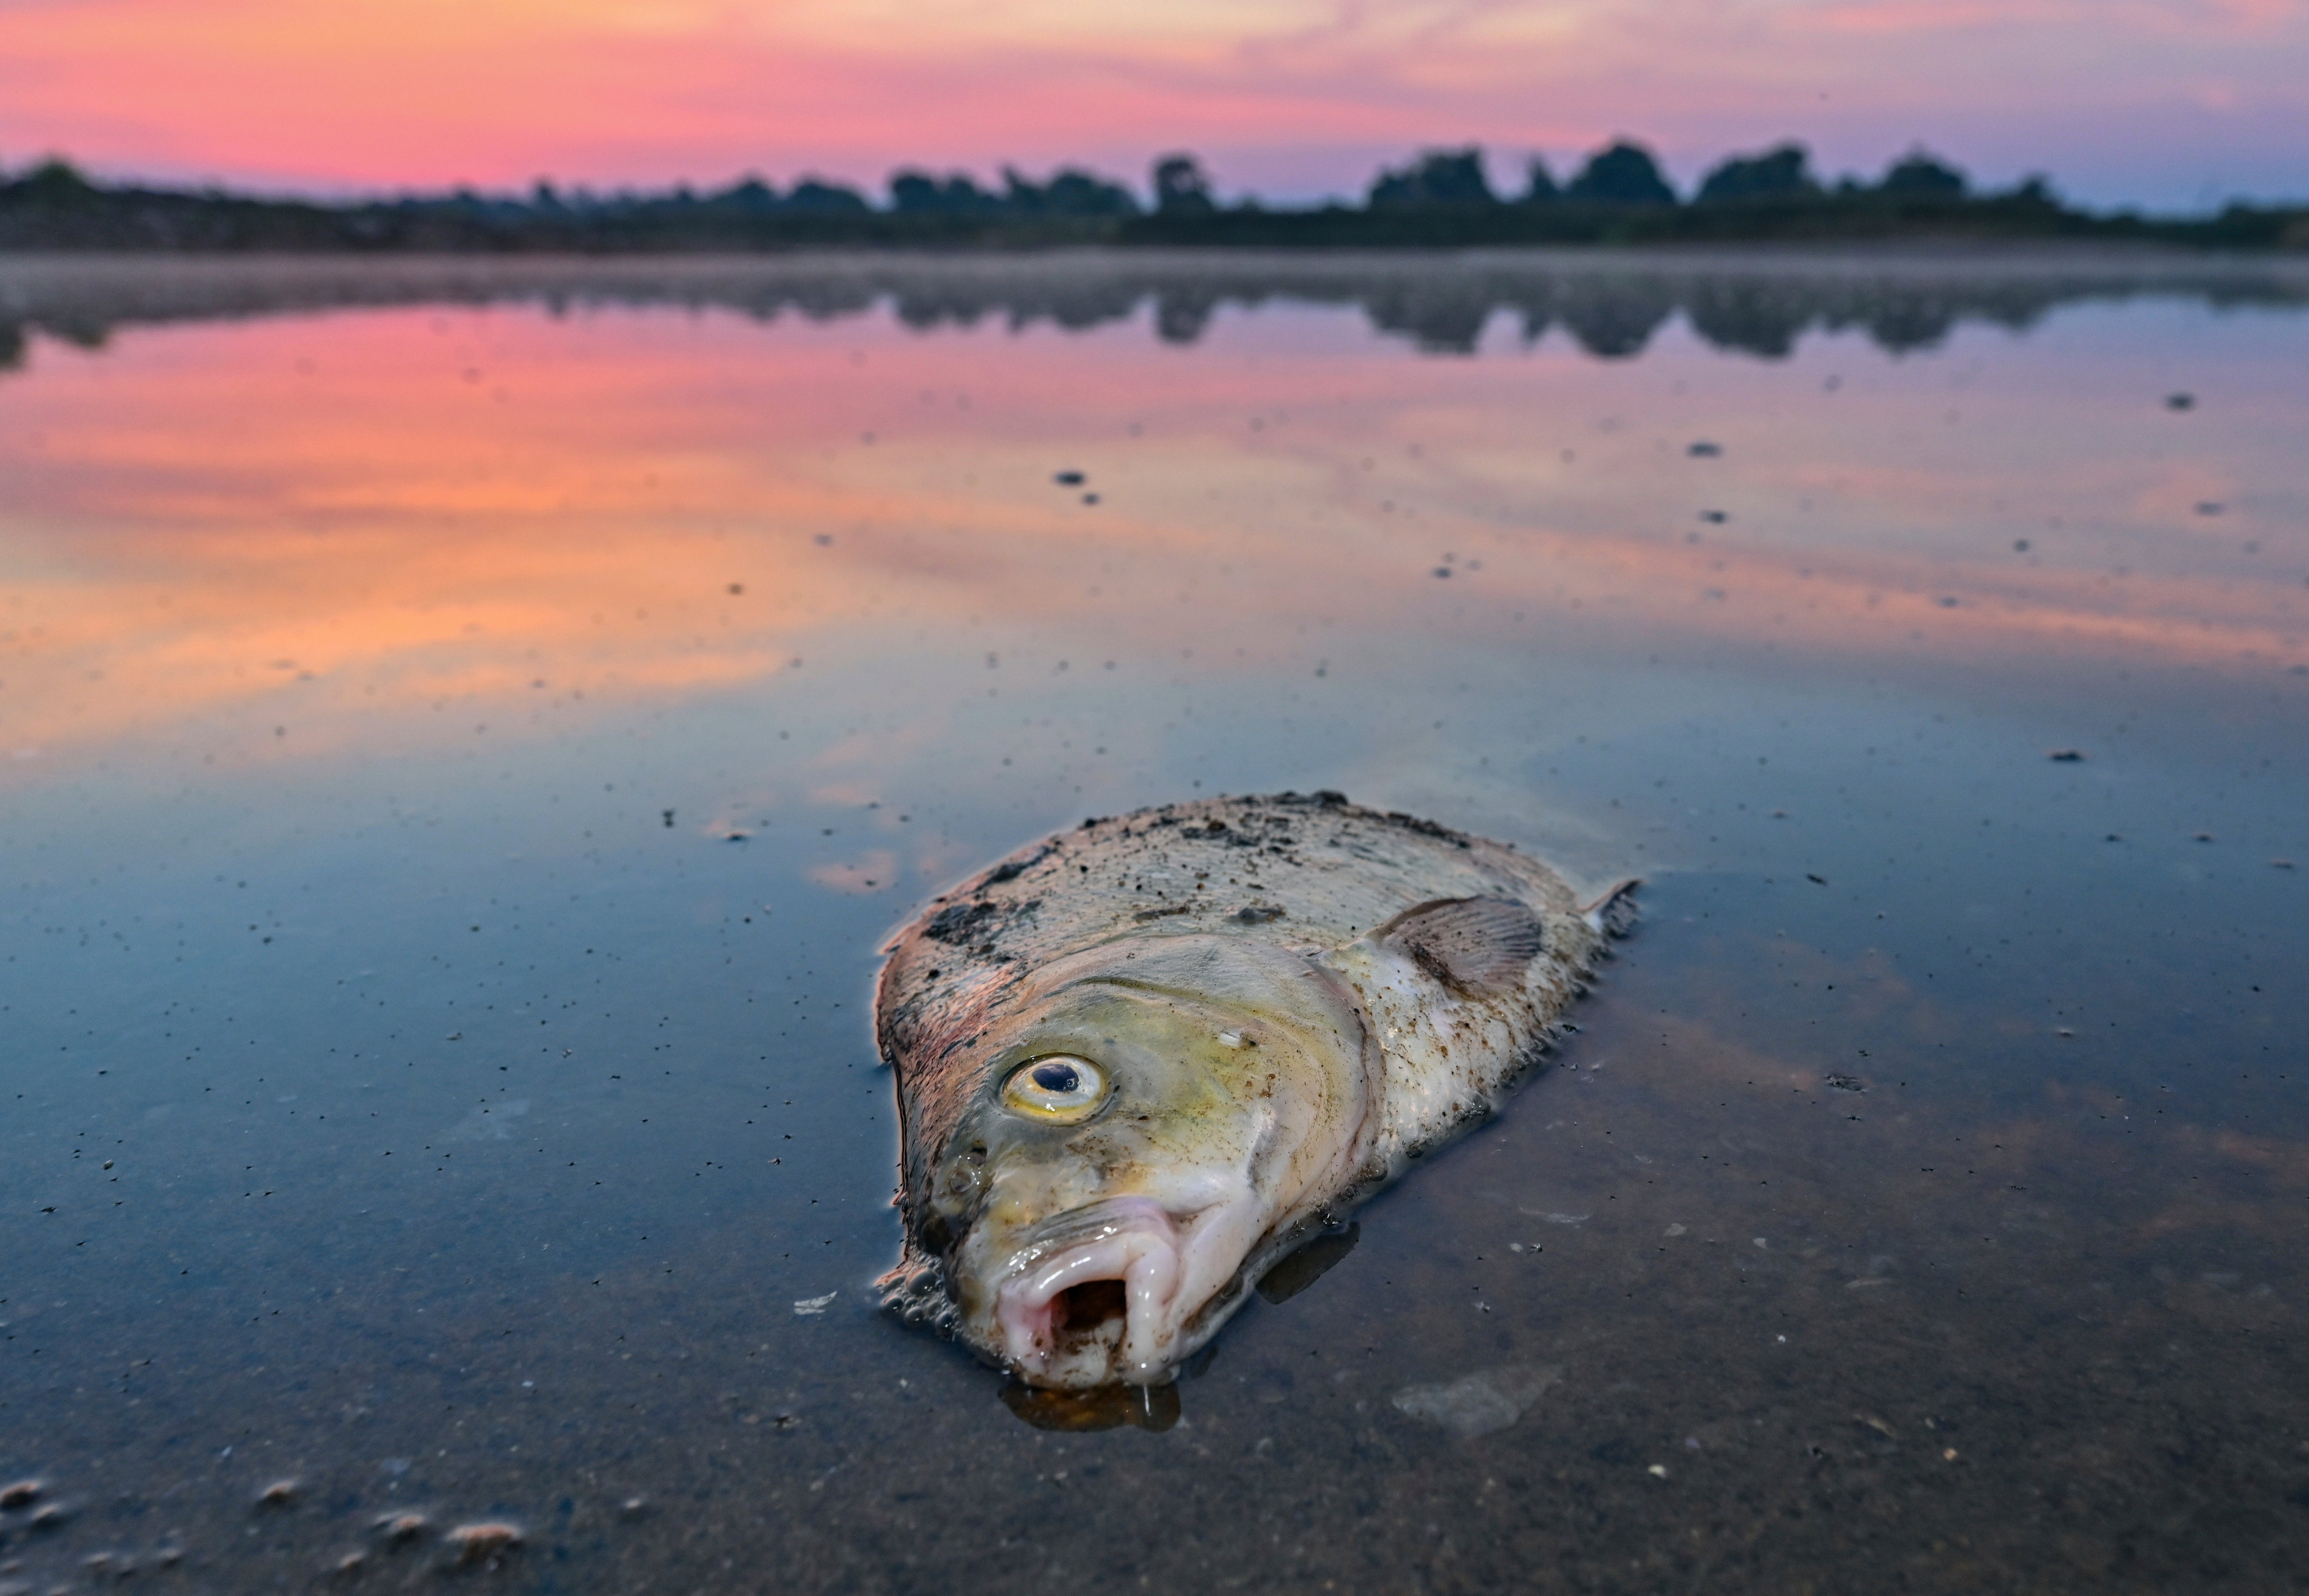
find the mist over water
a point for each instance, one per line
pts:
(466, 728)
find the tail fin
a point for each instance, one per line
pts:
(1614, 913)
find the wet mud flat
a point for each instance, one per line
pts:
(460, 764)
(1686, 1311)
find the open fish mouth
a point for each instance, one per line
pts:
(1090, 1299)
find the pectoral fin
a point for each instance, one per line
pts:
(1477, 947)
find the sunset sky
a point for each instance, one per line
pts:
(2172, 103)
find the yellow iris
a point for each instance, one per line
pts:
(1060, 1087)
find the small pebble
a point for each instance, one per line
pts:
(479, 1544)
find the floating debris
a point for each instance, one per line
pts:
(810, 1307)
(1704, 450)
(1480, 1403)
(2173, 401)
(1069, 479)
(2065, 755)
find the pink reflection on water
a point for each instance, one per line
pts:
(354, 519)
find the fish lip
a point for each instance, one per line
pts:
(1131, 1239)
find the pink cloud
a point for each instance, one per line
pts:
(1278, 92)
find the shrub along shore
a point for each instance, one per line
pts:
(1443, 199)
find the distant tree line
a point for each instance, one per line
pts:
(1442, 198)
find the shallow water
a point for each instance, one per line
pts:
(468, 728)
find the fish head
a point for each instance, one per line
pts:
(1147, 1122)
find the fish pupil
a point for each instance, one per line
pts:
(1057, 1077)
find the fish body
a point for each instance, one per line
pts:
(1140, 1062)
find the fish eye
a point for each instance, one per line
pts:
(1058, 1087)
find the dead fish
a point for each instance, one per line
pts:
(1139, 1063)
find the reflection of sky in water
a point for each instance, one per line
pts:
(388, 694)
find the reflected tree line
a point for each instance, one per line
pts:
(1611, 308)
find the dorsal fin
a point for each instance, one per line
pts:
(1477, 947)
(1613, 912)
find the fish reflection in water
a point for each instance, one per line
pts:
(1101, 1406)
(1127, 1098)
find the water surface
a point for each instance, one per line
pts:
(468, 728)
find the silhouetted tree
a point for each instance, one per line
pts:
(2036, 189)
(1622, 173)
(57, 178)
(1780, 170)
(1071, 191)
(1437, 178)
(1181, 188)
(1919, 172)
(1540, 187)
(748, 194)
(826, 199)
(956, 195)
